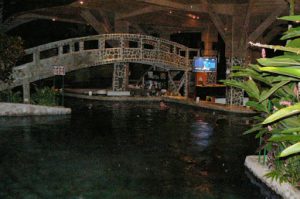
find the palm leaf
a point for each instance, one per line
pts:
(294, 18)
(290, 130)
(278, 61)
(282, 113)
(283, 138)
(291, 33)
(289, 71)
(295, 148)
(265, 95)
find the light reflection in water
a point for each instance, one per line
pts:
(201, 133)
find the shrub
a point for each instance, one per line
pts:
(44, 96)
(273, 87)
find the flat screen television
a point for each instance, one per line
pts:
(204, 64)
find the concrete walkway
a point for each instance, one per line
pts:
(14, 109)
(286, 190)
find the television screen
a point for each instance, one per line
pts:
(202, 64)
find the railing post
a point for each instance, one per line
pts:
(122, 45)
(187, 60)
(157, 49)
(72, 47)
(81, 45)
(141, 48)
(36, 57)
(101, 43)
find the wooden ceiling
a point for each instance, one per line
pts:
(161, 16)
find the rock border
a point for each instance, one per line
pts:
(286, 190)
(15, 109)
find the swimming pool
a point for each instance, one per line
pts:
(126, 150)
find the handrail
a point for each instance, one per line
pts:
(102, 36)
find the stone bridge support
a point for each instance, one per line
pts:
(120, 77)
(176, 86)
(236, 50)
(26, 92)
(186, 83)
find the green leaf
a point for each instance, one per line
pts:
(278, 61)
(282, 138)
(295, 18)
(289, 71)
(291, 33)
(282, 113)
(290, 130)
(283, 78)
(249, 86)
(265, 95)
(295, 148)
(253, 129)
(257, 106)
(293, 44)
(252, 89)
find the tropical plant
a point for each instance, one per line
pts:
(11, 49)
(273, 88)
(10, 96)
(44, 96)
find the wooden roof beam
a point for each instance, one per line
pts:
(15, 21)
(138, 28)
(215, 19)
(149, 9)
(106, 21)
(91, 19)
(224, 8)
(248, 16)
(167, 3)
(177, 6)
(265, 24)
(275, 31)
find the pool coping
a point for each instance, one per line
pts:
(286, 190)
(18, 109)
(230, 109)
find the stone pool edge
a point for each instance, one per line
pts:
(286, 190)
(16, 109)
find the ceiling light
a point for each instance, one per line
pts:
(81, 2)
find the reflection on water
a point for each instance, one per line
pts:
(120, 150)
(201, 133)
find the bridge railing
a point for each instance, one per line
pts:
(115, 47)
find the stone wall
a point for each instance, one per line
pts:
(14, 109)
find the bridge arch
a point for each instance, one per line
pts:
(78, 53)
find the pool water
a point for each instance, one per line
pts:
(126, 150)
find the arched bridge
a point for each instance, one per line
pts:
(83, 52)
